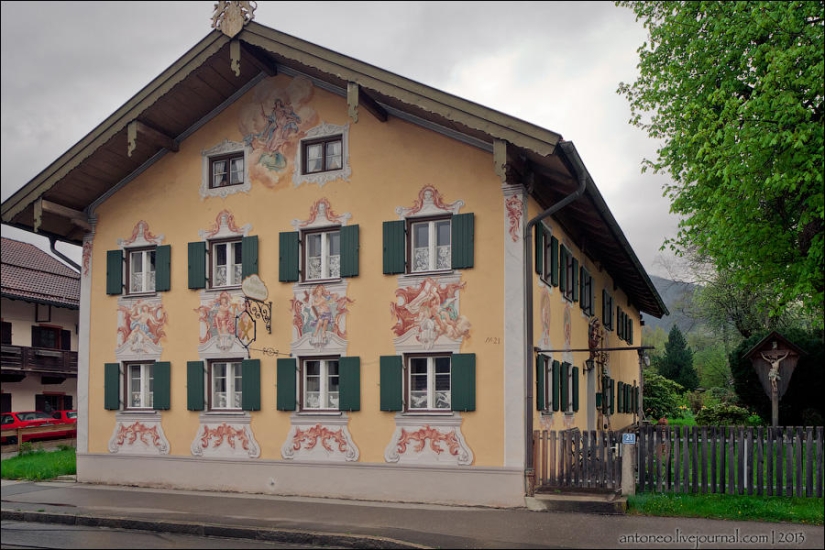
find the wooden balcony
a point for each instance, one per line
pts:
(50, 362)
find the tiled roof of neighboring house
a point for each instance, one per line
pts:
(32, 275)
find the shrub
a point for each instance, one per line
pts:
(723, 415)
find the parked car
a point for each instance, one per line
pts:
(67, 417)
(25, 419)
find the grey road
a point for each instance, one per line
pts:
(19, 534)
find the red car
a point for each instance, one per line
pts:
(67, 417)
(25, 419)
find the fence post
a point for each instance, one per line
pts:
(628, 464)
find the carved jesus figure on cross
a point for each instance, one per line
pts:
(774, 357)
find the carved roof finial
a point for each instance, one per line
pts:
(231, 15)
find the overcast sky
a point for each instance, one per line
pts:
(66, 66)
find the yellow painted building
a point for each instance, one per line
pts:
(305, 275)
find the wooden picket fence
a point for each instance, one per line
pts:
(781, 461)
(575, 459)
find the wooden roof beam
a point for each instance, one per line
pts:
(154, 137)
(356, 97)
(77, 217)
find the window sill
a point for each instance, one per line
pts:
(319, 412)
(428, 413)
(430, 273)
(221, 288)
(314, 282)
(140, 294)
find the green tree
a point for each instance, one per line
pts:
(733, 91)
(677, 362)
(661, 396)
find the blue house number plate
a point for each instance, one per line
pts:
(629, 439)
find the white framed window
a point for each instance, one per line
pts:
(323, 154)
(322, 255)
(429, 383)
(430, 245)
(321, 384)
(226, 263)
(142, 270)
(226, 170)
(225, 385)
(140, 385)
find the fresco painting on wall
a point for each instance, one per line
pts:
(273, 124)
(430, 311)
(319, 313)
(140, 325)
(217, 318)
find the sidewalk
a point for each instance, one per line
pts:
(359, 524)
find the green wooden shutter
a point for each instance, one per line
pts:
(556, 388)
(554, 261)
(163, 268)
(575, 389)
(612, 396)
(620, 397)
(574, 284)
(394, 247)
(251, 384)
(629, 330)
(565, 386)
(197, 265)
(463, 382)
(563, 282)
(161, 389)
(349, 384)
(541, 387)
(462, 240)
(349, 251)
(111, 386)
(195, 383)
(391, 376)
(249, 256)
(287, 376)
(114, 272)
(289, 244)
(539, 255)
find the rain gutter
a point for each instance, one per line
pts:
(572, 155)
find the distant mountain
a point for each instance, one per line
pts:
(677, 296)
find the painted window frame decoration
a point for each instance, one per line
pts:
(224, 151)
(294, 250)
(120, 264)
(429, 208)
(322, 133)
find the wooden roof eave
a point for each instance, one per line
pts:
(417, 96)
(115, 123)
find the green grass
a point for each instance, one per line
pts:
(732, 507)
(40, 464)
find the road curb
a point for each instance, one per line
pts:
(290, 536)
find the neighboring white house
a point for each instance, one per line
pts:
(40, 302)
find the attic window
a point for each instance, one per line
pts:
(322, 155)
(225, 170)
